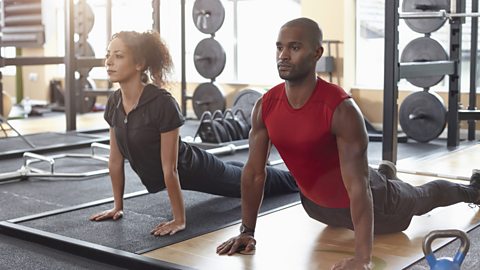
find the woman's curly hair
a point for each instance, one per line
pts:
(149, 50)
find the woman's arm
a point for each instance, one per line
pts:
(116, 167)
(169, 156)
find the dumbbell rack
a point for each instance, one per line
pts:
(394, 71)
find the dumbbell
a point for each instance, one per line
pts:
(241, 128)
(211, 129)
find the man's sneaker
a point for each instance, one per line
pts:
(388, 169)
(475, 178)
(475, 182)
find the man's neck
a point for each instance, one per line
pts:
(299, 92)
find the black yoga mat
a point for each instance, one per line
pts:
(204, 212)
(15, 146)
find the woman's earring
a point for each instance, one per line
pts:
(144, 77)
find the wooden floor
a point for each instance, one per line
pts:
(289, 239)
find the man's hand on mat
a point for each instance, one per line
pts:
(243, 243)
(107, 214)
(351, 263)
(168, 227)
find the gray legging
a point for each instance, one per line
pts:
(206, 173)
(396, 202)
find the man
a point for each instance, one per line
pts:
(320, 134)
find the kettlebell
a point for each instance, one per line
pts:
(445, 263)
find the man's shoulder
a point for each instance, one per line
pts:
(275, 90)
(331, 89)
(325, 84)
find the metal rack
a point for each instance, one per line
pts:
(394, 71)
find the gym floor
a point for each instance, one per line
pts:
(59, 209)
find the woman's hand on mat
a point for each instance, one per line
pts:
(353, 264)
(243, 243)
(107, 214)
(168, 227)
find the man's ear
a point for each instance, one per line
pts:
(319, 52)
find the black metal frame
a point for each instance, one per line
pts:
(185, 97)
(472, 100)
(82, 248)
(391, 77)
(394, 71)
(1, 91)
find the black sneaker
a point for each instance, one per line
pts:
(475, 182)
(475, 178)
(388, 169)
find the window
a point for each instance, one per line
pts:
(8, 52)
(254, 43)
(370, 45)
(250, 49)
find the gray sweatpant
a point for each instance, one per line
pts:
(395, 202)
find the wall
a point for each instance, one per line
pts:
(337, 20)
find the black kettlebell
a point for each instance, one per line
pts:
(445, 263)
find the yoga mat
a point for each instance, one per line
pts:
(204, 213)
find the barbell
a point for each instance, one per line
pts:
(426, 16)
(29, 158)
(442, 14)
(414, 11)
(400, 170)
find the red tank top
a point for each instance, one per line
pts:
(304, 141)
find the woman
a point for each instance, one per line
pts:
(144, 124)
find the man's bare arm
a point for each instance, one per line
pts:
(349, 128)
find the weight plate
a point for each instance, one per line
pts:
(84, 102)
(84, 19)
(208, 15)
(425, 26)
(424, 49)
(208, 97)
(245, 101)
(423, 116)
(209, 58)
(84, 49)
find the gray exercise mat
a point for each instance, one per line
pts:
(15, 145)
(204, 212)
(36, 195)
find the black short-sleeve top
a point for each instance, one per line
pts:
(138, 134)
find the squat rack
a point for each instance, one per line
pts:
(70, 60)
(394, 71)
